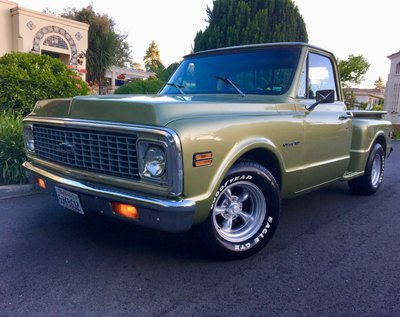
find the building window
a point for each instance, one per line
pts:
(395, 97)
(55, 41)
(398, 68)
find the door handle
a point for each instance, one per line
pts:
(346, 116)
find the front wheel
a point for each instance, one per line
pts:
(369, 183)
(245, 212)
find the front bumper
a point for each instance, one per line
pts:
(161, 214)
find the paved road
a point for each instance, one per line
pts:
(333, 255)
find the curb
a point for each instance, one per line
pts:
(14, 191)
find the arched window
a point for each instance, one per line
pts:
(55, 41)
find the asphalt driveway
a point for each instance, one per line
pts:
(334, 254)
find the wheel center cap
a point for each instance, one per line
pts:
(234, 209)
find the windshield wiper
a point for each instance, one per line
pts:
(179, 87)
(230, 82)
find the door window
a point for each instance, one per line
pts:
(317, 75)
(320, 75)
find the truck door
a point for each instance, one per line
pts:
(327, 128)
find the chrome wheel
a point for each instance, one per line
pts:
(369, 183)
(376, 170)
(239, 211)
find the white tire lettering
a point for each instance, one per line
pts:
(241, 247)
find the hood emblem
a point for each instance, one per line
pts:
(66, 148)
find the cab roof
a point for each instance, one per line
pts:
(255, 47)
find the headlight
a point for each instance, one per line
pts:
(153, 160)
(159, 157)
(28, 139)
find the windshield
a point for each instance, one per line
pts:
(267, 71)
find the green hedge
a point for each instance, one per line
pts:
(26, 78)
(397, 132)
(12, 153)
(143, 87)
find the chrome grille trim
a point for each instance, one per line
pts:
(174, 149)
(103, 152)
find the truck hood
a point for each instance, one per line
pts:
(156, 110)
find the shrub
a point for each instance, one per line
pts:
(26, 78)
(150, 86)
(12, 153)
(396, 135)
(378, 108)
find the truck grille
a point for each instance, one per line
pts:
(95, 151)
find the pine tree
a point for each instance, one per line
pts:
(379, 84)
(152, 59)
(239, 22)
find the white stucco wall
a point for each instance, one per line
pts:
(6, 26)
(392, 95)
(25, 30)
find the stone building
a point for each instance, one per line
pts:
(25, 30)
(392, 95)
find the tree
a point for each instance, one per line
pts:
(26, 78)
(106, 47)
(379, 84)
(152, 62)
(165, 73)
(352, 73)
(352, 70)
(137, 66)
(152, 59)
(251, 22)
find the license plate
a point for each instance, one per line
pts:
(69, 200)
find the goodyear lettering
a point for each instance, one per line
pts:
(228, 182)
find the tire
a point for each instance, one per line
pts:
(245, 212)
(369, 183)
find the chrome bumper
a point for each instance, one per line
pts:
(166, 215)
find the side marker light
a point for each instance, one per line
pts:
(202, 159)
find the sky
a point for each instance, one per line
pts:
(343, 27)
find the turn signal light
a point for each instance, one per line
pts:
(202, 159)
(41, 183)
(125, 210)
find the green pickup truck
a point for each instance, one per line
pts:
(232, 133)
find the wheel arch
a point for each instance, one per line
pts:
(267, 159)
(380, 138)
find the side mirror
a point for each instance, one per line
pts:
(325, 96)
(322, 96)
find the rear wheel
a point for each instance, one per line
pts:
(245, 212)
(369, 183)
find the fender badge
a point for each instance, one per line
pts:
(291, 144)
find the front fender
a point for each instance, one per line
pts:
(228, 140)
(204, 200)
